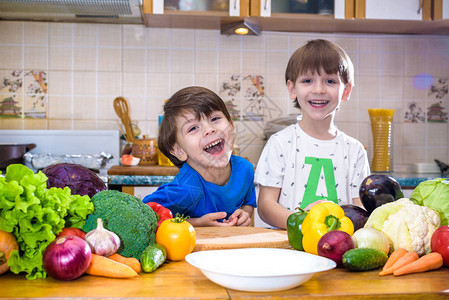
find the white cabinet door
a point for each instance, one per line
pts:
(394, 10)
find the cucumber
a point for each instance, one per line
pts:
(364, 259)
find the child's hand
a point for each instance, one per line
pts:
(211, 219)
(239, 218)
(308, 207)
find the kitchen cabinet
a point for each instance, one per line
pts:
(440, 9)
(320, 9)
(394, 10)
(349, 17)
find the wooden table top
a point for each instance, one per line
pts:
(181, 280)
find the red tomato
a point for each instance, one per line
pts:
(72, 231)
(127, 160)
(440, 243)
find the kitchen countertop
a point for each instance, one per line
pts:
(181, 280)
(157, 175)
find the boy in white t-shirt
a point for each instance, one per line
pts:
(312, 160)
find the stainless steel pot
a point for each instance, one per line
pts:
(13, 154)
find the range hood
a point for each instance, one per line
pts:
(93, 11)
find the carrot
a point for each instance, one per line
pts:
(103, 266)
(428, 262)
(402, 261)
(394, 256)
(132, 262)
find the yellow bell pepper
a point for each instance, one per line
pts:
(323, 217)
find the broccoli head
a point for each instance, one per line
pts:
(128, 217)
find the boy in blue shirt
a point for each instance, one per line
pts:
(213, 187)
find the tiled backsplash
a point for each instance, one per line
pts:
(66, 76)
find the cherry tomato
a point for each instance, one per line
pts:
(440, 243)
(177, 236)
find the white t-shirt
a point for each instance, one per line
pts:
(307, 169)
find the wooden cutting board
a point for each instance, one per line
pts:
(215, 238)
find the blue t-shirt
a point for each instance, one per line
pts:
(189, 194)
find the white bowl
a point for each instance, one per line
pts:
(259, 269)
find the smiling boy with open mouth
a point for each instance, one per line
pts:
(213, 187)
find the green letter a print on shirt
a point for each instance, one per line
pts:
(318, 165)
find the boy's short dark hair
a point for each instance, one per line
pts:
(197, 100)
(319, 55)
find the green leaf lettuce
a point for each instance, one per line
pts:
(35, 214)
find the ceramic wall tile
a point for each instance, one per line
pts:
(59, 124)
(183, 38)
(35, 57)
(85, 35)
(206, 61)
(110, 60)
(393, 64)
(60, 107)
(36, 33)
(206, 39)
(368, 87)
(61, 58)
(134, 84)
(85, 59)
(207, 80)
(158, 85)
(274, 61)
(85, 83)
(254, 43)
(11, 32)
(133, 36)
(230, 62)
(110, 83)
(277, 42)
(182, 60)
(60, 83)
(179, 81)
(110, 35)
(158, 61)
(35, 124)
(11, 57)
(86, 66)
(254, 62)
(85, 107)
(61, 34)
(158, 37)
(438, 64)
(231, 42)
(134, 60)
(369, 64)
(391, 87)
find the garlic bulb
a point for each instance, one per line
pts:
(102, 241)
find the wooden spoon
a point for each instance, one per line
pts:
(121, 107)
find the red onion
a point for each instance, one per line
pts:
(334, 244)
(67, 257)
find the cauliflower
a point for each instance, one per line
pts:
(406, 224)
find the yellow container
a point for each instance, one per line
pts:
(163, 160)
(381, 127)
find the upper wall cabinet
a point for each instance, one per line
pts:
(338, 9)
(440, 9)
(394, 10)
(235, 8)
(344, 16)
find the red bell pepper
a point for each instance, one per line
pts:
(162, 212)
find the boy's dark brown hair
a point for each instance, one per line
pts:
(197, 100)
(319, 55)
